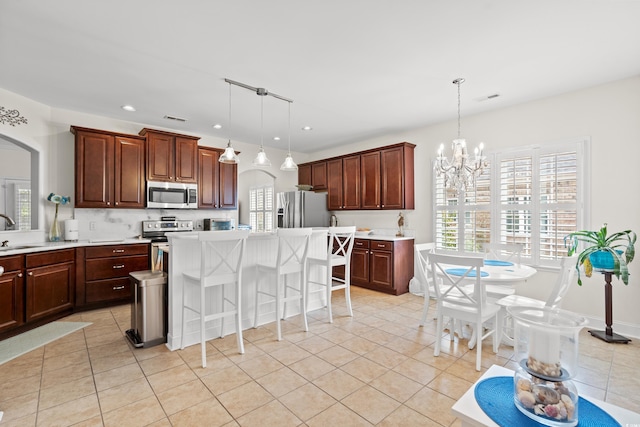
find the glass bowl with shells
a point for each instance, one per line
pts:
(546, 349)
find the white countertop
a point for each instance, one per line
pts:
(26, 248)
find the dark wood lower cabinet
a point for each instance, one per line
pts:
(50, 283)
(382, 265)
(11, 293)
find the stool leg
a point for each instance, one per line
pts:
(303, 298)
(203, 342)
(183, 316)
(222, 311)
(328, 284)
(278, 302)
(347, 287)
(239, 315)
(255, 317)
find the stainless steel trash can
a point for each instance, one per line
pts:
(148, 308)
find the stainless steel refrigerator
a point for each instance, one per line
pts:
(298, 209)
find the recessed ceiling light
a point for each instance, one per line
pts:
(276, 138)
(128, 108)
(307, 128)
(217, 126)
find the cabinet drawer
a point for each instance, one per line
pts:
(107, 290)
(361, 243)
(11, 263)
(381, 245)
(116, 251)
(110, 268)
(50, 257)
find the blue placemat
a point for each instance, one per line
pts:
(495, 397)
(497, 263)
(461, 271)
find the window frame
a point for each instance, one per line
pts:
(581, 146)
(265, 190)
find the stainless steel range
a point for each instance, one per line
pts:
(157, 231)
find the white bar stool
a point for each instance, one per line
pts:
(338, 253)
(293, 246)
(221, 255)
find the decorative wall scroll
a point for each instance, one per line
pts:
(11, 117)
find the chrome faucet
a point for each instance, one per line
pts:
(9, 220)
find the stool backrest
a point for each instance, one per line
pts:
(424, 273)
(293, 246)
(222, 252)
(341, 241)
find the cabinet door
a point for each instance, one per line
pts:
(129, 172)
(11, 293)
(334, 178)
(319, 175)
(160, 162)
(360, 266)
(94, 170)
(392, 178)
(381, 268)
(228, 186)
(351, 182)
(304, 174)
(370, 180)
(208, 171)
(49, 290)
(186, 160)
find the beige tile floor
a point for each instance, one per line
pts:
(376, 368)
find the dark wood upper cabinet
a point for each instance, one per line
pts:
(217, 182)
(319, 175)
(109, 169)
(371, 180)
(304, 174)
(396, 177)
(171, 157)
(335, 199)
(351, 182)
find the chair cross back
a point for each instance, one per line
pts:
(293, 251)
(456, 287)
(210, 244)
(504, 251)
(341, 241)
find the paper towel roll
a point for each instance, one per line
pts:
(70, 229)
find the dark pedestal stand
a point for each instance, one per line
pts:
(608, 335)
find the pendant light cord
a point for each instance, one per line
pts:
(262, 123)
(459, 82)
(289, 133)
(229, 133)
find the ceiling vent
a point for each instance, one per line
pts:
(177, 119)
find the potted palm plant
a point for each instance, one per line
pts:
(609, 254)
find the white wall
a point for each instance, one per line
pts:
(608, 114)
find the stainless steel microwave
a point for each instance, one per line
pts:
(172, 195)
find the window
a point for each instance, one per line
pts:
(17, 194)
(261, 209)
(533, 196)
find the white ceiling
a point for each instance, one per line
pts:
(355, 69)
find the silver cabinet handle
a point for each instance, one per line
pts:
(117, 288)
(118, 251)
(30, 273)
(380, 246)
(1, 270)
(118, 266)
(19, 274)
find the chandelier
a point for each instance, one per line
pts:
(460, 172)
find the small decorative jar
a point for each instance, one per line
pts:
(546, 348)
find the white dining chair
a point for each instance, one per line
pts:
(458, 301)
(340, 245)
(509, 252)
(424, 276)
(291, 260)
(221, 256)
(554, 300)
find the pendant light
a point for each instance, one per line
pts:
(229, 156)
(289, 165)
(261, 159)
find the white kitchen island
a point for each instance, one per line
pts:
(184, 254)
